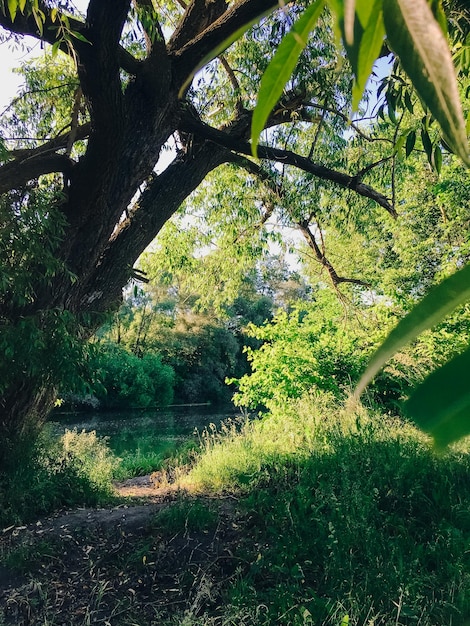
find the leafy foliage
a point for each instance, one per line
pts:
(414, 35)
(126, 380)
(323, 346)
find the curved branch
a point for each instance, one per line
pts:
(30, 164)
(302, 225)
(286, 157)
(198, 15)
(190, 52)
(61, 141)
(233, 81)
(18, 173)
(162, 197)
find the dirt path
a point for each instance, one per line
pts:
(157, 553)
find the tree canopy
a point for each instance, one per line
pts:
(110, 138)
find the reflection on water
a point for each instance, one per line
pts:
(171, 422)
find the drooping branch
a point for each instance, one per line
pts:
(287, 157)
(309, 236)
(302, 224)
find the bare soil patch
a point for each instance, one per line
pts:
(121, 565)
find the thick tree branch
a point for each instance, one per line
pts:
(198, 15)
(162, 197)
(18, 173)
(154, 77)
(189, 52)
(98, 65)
(29, 164)
(286, 157)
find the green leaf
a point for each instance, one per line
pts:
(440, 301)
(441, 404)
(281, 67)
(427, 144)
(437, 158)
(79, 36)
(391, 102)
(418, 40)
(400, 143)
(223, 46)
(12, 9)
(408, 103)
(55, 48)
(369, 49)
(410, 143)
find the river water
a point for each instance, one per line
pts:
(125, 428)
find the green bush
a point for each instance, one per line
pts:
(129, 381)
(73, 470)
(346, 512)
(324, 346)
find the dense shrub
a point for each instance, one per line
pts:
(130, 381)
(324, 346)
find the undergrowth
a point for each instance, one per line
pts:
(330, 517)
(350, 516)
(55, 473)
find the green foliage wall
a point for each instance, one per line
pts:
(324, 345)
(129, 381)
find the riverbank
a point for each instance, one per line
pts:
(317, 516)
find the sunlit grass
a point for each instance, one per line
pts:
(349, 512)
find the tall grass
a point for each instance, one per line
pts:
(350, 518)
(56, 472)
(143, 453)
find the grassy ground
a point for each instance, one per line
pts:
(313, 516)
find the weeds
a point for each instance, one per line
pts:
(186, 515)
(349, 513)
(70, 471)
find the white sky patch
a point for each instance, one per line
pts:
(11, 57)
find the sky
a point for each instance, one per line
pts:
(10, 57)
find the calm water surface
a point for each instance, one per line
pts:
(171, 423)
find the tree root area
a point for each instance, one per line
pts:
(141, 562)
